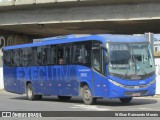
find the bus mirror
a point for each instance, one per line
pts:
(106, 57)
(103, 46)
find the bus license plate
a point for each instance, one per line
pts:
(136, 94)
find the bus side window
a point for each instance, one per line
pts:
(67, 54)
(96, 60)
(7, 58)
(52, 55)
(25, 57)
(44, 55)
(78, 54)
(60, 54)
(15, 58)
(39, 55)
(34, 56)
(81, 53)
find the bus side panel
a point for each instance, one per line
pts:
(48, 80)
(12, 84)
(68, 84)
(41, 79)
(74, 80)
(55, 80)
(8, 79)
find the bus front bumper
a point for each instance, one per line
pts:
(118, 91)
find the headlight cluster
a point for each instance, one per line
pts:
(116, 83)
(152, 82)
(132, 87)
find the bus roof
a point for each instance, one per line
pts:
(77, 38)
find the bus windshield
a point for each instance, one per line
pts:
(132, 61)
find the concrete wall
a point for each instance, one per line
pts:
(157, 63)
(1, 78)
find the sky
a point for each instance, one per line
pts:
(157, 36)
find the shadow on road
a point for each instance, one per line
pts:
(101, 102)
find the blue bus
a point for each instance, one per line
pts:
(90, 66)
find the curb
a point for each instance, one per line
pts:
(157, 96)
(2, 91)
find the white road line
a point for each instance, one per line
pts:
(90, 108)
(146, 108)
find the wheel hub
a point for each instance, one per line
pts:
(29, 92)
(87, 95)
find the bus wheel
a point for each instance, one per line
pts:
(63, 98)
(125, 100)
(30, 93)
(38, 97)
(87, 97)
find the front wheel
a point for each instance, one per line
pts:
(87, 97)
(125, 100)
(30, 92)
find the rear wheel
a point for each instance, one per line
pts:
(125, 100)
(30, 92)
(87, 97)
(63, 98)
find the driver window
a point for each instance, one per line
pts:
(96, 59)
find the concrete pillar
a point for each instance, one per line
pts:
(1, 78)
(150, 38)
(157, 62)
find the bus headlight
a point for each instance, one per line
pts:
(116, 83)
(132, 87)
(153, 81)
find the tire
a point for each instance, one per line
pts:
(87, 97)
(30, 92)
(64, 98)
(38, 97)
(125, 100)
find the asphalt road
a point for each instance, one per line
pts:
(14, 102)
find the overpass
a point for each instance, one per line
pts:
(23, 20)
(41, 18)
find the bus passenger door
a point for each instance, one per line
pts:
(97, 76)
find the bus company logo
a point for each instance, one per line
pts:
(46, 73)
(6, 114)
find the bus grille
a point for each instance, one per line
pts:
(134, 87)
(137, 93)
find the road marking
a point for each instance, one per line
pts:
(91, 108)
(145, 108)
